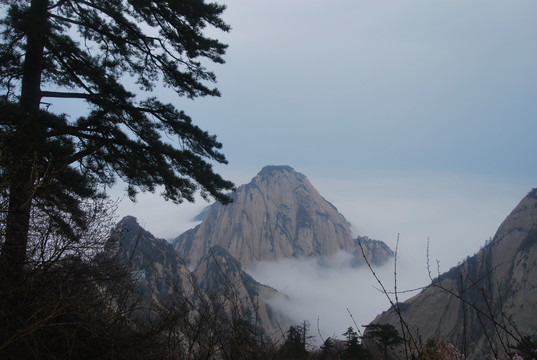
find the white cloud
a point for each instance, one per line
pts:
(457, 213)
(331, 298)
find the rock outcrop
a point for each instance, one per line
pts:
(163, 280)
(489, 302)
(152, 262)
(279, 214)
(219, 274)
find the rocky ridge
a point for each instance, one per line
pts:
(152, 262)
(162, 278)
(489, 302)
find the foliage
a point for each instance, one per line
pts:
(385, 335)
(296, 341)
(71, 300)
(328, 350)
(96, 51)
(435, 349)
(353, 348)
(294, 346)
(75, 307)
(438, 350)
(62, 296)
(90, 304)
(526, 347)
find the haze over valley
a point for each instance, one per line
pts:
(331, 292)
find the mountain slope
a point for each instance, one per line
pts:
(153, 262)
(163, 279)
(220, 274)
(279, 214)
(489, 302)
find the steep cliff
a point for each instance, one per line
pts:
(163, 280)
(153, 262)
(489, 302)
(220, 274)
(279, 214)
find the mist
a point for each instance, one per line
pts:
(446, 216)
(455, 214)
(331, 295)
(452, 214)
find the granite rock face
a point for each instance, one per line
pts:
(162, 279)
(152, 262)
(220, 274)
(279, 214)
(486, 304)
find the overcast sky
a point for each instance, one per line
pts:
(410, 101)
(367, 86)
(416, 117)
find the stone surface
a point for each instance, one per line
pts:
(279, 214)
(154, 262)
(163, 279)
(488, 302)
(220, 274)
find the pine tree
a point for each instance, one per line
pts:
(353, 348)
(296, 341)
(385, 335)
(89, 50)
(327, 349)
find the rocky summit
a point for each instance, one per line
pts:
(488, 304)
(152, 262)
(278, 214)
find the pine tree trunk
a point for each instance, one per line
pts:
(26, 141)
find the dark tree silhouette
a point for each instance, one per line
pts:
(327, 350)
(88, 50)
(296, 341)
(353, 348)
(526, 347)
(385, 335)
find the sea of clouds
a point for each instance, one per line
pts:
(331, 295)
(431, 218)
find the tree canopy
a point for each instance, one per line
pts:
(385, 335)
(353, 348)
(296, 341)
(112, 54)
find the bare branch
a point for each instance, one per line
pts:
(65, 95)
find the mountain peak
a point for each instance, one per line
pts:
(270, 170)
(129, 221)
(280, 174)
(279, 214)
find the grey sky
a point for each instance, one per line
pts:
(369, 86)
(421, 102)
